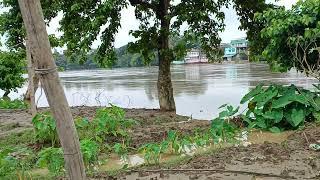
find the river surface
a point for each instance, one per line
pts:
(199, 89)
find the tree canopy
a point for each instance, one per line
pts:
(11, 23)
(293, 37)
(246, 11)
(82, 23)
(11, 68)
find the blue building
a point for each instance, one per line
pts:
(236, 50)
(229, 53)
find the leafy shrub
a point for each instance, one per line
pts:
(84, 127)
(277, 108)
(16, 162)
(15, 104)
(174, 142)
(52, 158)
(90, 151)
(45, 128)
(121, 149)
(153, 151)
(109, 125)
(111, 122)
(222, 129)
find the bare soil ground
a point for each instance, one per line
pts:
(291, 159)
(152, 123)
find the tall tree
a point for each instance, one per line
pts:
(293, 37)
(40, 51)
(84, 21)
(11, 27)
(246, 11)
(11, 71)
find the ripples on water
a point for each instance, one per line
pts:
(199, 89)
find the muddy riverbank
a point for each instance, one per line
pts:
(283, 156)
(289, 159)
(152, 123)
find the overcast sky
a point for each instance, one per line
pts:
(128, 22)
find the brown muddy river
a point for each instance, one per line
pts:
(199, 89)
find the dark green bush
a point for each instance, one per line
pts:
(278, 108)
(52, 158)
(16, 162)
(12, 104)
(45, 128)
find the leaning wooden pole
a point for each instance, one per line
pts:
(40, 51)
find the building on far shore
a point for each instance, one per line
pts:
(196, 56)
(236, 50)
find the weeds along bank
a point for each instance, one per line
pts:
(274, 108)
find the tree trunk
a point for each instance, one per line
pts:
(165, 90)
(41, 54)
(6, 93)
(33, 82)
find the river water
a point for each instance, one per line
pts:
(199, 89)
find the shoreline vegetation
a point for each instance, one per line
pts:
(276, 136)
(146, 143)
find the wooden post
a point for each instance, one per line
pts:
(40, 51)
(33, 82)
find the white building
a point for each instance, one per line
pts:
(195, 56)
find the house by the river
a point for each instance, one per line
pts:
(236, 50)
(196, 56)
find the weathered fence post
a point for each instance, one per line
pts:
(40, 51)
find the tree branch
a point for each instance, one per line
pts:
(143, 3)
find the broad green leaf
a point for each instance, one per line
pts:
(258, 112)
(265, 97)
(316, 115)
(275, 115)
(316, 103)
(261, 123)
(222, 106)
(295, 117)
(281, 102)
(252, 93)
(275, 129)
(224, 114)
(299, 98)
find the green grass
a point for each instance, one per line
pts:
(18, 139)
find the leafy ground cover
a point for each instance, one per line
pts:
(12, 104)
(110, 131)
(279, 108)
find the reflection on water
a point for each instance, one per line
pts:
(199, 89)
